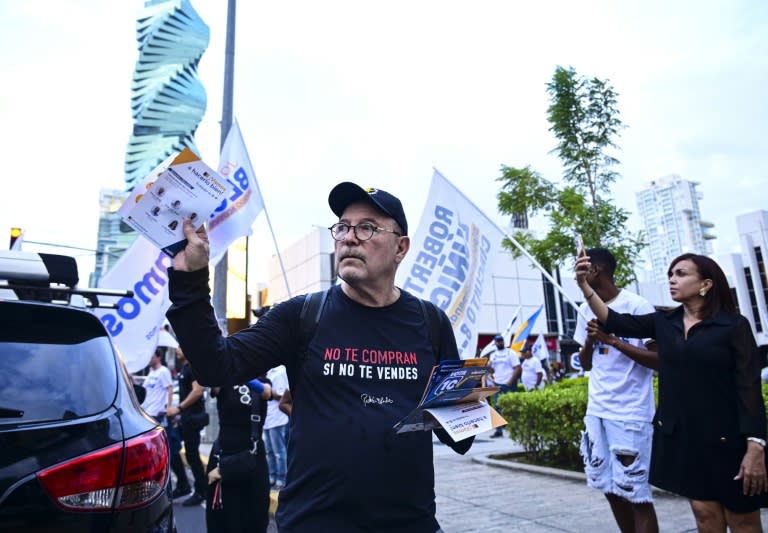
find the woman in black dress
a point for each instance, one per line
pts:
(710, 425)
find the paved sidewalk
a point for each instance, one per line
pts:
(475, 494)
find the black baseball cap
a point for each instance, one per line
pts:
(346, 193)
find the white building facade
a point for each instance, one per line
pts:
(747, 273)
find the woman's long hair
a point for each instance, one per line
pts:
(719, 297)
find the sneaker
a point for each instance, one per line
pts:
(178, 492)
(195, 499)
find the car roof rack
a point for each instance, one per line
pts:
(49, 278)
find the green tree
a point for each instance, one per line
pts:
(584, 118)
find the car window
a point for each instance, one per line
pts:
(55, 381)
(54, 364)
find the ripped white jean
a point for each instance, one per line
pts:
(603, 443)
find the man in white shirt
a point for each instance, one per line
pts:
(506, 371)
(616, 443)
(532, 370)
(159, 387)
(276, 429)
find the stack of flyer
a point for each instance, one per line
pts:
(455, 400)
(180, 187)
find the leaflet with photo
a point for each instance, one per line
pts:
(186, 187)
(147, 183)
(455, 399)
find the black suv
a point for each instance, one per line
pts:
(77, 452)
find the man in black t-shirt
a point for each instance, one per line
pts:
(366, 367)
(193, 419)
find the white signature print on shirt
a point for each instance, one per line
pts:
(376, 400)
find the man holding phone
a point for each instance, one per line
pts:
(616, 442)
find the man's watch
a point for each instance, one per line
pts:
(758, 440)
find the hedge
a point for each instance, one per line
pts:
(548, 423)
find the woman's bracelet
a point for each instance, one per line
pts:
(590, 296)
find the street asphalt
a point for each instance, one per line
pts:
(476, 493)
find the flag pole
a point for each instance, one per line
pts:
(269, 222)
(220, 270)
(545, 273)
(277, 250)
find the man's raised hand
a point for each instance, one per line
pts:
(196, 253)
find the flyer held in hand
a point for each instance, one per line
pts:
(181, 186)
(455, 399)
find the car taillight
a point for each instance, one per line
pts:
(146, 469)
(90, 482)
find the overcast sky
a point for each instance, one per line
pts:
(380, 93)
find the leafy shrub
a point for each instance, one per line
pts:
(547, 423)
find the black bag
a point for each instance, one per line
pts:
(238, 465)
(195, 421)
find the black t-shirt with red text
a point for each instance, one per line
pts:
(366, 369)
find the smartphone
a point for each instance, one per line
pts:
(579, 245)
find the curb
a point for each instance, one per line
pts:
(273, 503)
(486, 459)
(542, 470)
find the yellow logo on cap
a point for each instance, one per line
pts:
(370, 190)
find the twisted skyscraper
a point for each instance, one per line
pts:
(167, 98)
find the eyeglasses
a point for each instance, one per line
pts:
(363, 231)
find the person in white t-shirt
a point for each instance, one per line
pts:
(532, 375)
(159, 387)
(506, 370)
(616, 442)
(276, 429)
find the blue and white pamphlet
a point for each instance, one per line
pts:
(455, 400)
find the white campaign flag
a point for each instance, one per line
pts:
(450, 259)
(235, 216)
(539, 349)
(136, 322)
(507, 334)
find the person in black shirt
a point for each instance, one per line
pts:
(193, 419)
(365, 369)
(239, 504)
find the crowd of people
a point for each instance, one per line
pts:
(347, 471)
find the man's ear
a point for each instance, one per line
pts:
(403, 246)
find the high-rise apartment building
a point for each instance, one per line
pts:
(669, 207)
(168, 100)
